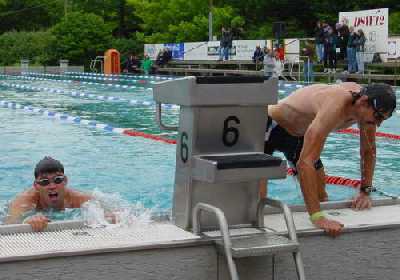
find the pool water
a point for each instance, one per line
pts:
(135, 169)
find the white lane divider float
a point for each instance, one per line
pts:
(88, 95)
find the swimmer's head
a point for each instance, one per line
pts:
(381, 97)
(48, 165)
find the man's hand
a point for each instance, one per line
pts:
(361, 201)
(38, 222)
(331, 227)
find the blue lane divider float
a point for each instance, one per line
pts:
(87, 77)
(19, 77)
(95, 76)
(125, 76)
(62, 116)
(89, 95)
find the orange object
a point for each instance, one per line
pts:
(112, 62)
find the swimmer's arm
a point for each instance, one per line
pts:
(367, 153)
(314, 140)
(20, 205)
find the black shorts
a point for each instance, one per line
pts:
(278, 139)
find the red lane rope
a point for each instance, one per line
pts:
(333, 180)
(130, 132)
(356, 131)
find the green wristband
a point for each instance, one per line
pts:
(316, 216)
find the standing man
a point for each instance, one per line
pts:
(299, 125)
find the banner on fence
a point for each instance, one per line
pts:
(375, 25)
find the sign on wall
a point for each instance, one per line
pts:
(394, 48)
(375, 25)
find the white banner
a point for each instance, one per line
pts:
(375, 25)
(394, 48)
(292, 50)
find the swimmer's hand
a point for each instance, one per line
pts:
(331, 227)
(361, 201)
(38, 222)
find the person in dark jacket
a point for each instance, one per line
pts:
(319, 41)
(351, 51)
(258, 56)
(360, 47)
(132, 64)
(225, 44)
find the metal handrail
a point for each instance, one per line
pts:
(159, 121)
(287, 214)
(223, 226)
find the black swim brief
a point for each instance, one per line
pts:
(278, 139)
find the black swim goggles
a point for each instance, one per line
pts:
(56, 180)
(378, 115)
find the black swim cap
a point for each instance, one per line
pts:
(48, 165)
(381, 97)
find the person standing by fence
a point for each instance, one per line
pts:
(351, 52)
(360, 44)
(319, 41)
(308, 53)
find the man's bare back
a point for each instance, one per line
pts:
(296, 112)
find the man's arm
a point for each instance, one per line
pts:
(314, 139)
(367, 164)
(23, 203)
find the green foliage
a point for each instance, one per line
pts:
(127, 46)
(80, 37)
(92, 26)
(15, 46)
(394, 23)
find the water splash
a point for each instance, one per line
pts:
(107, 209)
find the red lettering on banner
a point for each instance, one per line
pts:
(369, 21)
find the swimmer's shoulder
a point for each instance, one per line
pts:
(76, 198)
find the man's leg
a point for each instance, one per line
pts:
(263, 188)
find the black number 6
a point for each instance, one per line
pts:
(184, 147)
(230, 135)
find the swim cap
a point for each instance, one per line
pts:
(48, 165)
(381, 97)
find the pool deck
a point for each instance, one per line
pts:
(368, 249)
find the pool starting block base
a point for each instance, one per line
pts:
(220, 162)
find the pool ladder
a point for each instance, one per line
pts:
(262, 244)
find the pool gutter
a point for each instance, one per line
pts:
(366, 250)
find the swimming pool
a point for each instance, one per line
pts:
(132, 169)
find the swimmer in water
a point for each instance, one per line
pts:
(299, 125)
(49, 191)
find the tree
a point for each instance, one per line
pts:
(80, 37)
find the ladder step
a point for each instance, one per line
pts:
(259, 245)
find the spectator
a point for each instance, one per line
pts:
(146, 64)
(272, 65)
(225, 44)
(258, 56)
(308, 52)
(132, 64)
(280, 52)
(330, 41)
(319, 41)
(343, 38)
(167, 55)
(351, 52)
(160, 58)
(360, 44)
